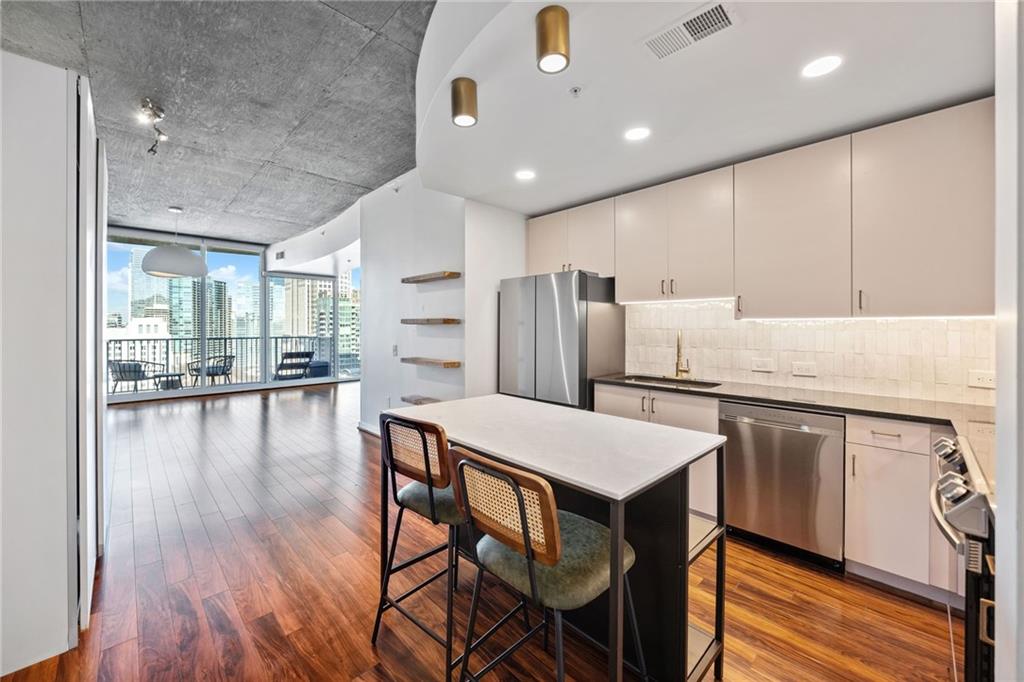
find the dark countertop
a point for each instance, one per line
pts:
(976, 423)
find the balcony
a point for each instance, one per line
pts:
(176, 365)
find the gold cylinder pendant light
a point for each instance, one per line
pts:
(553, 39)
(464, 102)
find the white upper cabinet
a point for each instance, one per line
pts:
(641, 240)
(580, 238)
(700, 235)
(923, 214)
(547, 243)
(792, 232)
(591, 237)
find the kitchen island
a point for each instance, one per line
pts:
(630, 475)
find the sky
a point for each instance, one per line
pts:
(234, 269)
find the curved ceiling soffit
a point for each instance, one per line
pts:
(455, 28)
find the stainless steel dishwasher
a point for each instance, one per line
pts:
(784, 476)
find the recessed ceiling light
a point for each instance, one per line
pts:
(822, 66)
(175, 209)
(636, 134)
(525, 174)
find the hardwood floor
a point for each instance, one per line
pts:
(243, 545)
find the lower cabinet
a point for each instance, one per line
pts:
(670, 409)
(887, 514)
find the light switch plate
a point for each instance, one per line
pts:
(979, 378)
(805, 369)
(762, 364)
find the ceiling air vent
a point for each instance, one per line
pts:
(691, 28)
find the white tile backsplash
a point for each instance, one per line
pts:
(919, 358)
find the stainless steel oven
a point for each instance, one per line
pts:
(784, 478)
(961, 505)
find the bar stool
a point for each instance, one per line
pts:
(419, 450)
(556, 558)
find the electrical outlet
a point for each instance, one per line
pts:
(979, 378)
(805, 369)
(762, 364)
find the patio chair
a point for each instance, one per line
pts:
(293, 364)
(133, 371)
(216, 366)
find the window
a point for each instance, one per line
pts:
(151, 336)
(237, 325)
(348, 325)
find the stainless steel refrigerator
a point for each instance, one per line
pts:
(556, 332)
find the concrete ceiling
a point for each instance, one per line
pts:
(280, 114)
(732, 96)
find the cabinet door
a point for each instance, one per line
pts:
(698, 414)
(700, 235)
(793, 232)
(924, 214)
(621, 401)
(547, 246)
(591, 231)
(887, 514)
(641, 239)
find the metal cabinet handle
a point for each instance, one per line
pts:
(652, 405)
(739, 303)
(672, 286)
(887, 435)
(983, 630)
(643, 403)
(855, 466)
(860, 299)
(662, 287)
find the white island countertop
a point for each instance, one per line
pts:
(611, 457)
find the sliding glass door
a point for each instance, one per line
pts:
(302, 316)
(233, 317)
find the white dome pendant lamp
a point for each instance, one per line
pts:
(173, 260)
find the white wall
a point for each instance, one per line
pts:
(1009, 59)
(35, 361)
(495, 249)
(408, 232)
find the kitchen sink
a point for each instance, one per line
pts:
(668, 381)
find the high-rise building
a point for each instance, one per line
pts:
(115, 320)
(144, 290)
(183, 321)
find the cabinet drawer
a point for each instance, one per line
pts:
(889, 433)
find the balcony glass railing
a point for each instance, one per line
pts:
(175, 364)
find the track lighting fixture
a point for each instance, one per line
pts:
(151, 113)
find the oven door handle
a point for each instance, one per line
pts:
(952, 535)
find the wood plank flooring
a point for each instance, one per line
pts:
(243, 546)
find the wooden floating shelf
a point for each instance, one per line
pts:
(419, 400)
(431, 277)
(433, 362)
(431, 320)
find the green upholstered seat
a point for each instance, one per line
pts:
(580, 576)
(414, 496)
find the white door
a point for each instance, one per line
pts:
(591, 236)
(887, 515)
(621, 401)
(547, 247)
(793, 232)
(700, 235)
(641, 240)
(696, 413)
(924, 214)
